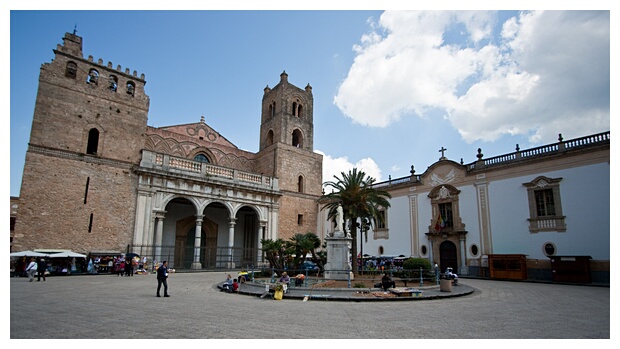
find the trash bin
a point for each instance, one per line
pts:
(445, 285)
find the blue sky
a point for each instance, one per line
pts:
(390, 88)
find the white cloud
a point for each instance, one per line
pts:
(548, 72)
(335, 166)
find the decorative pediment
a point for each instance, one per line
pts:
(443, 172)
(443, 192)
(542, 182)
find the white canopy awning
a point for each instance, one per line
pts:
(69, 254)
(28, 254)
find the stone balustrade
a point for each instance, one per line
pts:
(189, 167)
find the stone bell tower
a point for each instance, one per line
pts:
(286, 151)
(78, 189)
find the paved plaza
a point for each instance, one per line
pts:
(108, 306)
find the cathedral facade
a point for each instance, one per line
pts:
(98, 178)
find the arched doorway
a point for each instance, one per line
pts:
(448, 256)
(186, 239)
(249, 219)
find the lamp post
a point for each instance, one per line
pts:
(363, 228)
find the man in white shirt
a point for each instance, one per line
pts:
(31, 269)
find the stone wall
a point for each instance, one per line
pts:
(58, 196)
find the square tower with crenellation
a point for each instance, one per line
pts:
(78, 188)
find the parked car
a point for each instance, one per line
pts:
(310, 266)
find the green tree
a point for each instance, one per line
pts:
(303, 244)
(275, 252)
(354, 190)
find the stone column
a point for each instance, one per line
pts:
(484, 216)
(259, 244)
(140, 219)
(231, 241)
(463, 270)
(159, 233)
(197, 240)
(430, 252)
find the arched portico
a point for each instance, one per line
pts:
(200, 226)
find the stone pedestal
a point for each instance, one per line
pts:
(196, 266)
(338, 251)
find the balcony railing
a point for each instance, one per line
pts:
(544, 150)
(188, 167)
(519, 155)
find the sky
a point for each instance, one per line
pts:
(391, 88)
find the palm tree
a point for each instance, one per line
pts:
(304, 244)
(354, 190)
(275, 252)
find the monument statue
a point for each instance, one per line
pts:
(339, 218)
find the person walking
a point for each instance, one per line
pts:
(162, 276)
(41, 267)
(129, 267)
(31, 269)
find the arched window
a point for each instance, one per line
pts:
(202, 158)
(273, 110)
(93, 141)
(297, 139)
(270, 137)
(131, 87)
(296, 109)
(113, 83)
(71, 70)
(93, 77)
(300, 184)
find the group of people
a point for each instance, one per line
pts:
(124, 266)
(36, 268)
(230, 285)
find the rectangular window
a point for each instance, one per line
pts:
(446, 214)
(300, 219)
(544, 203)
(382, 221)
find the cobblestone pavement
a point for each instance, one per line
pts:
(108, 306)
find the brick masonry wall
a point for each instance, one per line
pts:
(293, 162)
(53, 215)
(291, 206)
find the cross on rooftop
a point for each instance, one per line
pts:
(442, 150)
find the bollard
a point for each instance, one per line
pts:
(437, 273)
(421, 278)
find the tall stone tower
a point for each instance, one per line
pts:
(286, 152)
(78, 188)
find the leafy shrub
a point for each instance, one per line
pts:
(414, 264)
